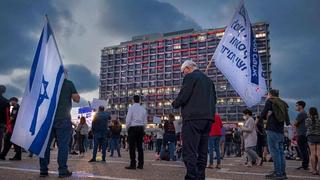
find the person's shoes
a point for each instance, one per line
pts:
(67, 174)
(210, 166)
(273, 175)
(259, 162)
(44, 174)
(15, 159)
(218, 166)
(301, 167)
(140, 167)
(74, 153)
(92, 160)
(119, 155)
(131, 167)
(270, 176)
(103, 160)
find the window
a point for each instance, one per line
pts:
(152, 77)
(152, 71)
(138, 66)
(168, 69)
(160, 83)
(202, 38)
(153, 51)
(177, 46)
(193, 45)
(144, 78)
(167, 76)
(175, 41)
(137, 72)
(168, 55)
(144, 65)
(176, 75)
(124, 61)
(176, 82)
(169, 48)
(130, 73)
(160, 56)
(168, 83)
(168, 42)
(153, 57)
(153, 64)
(152, 84)
(160, 50)
(202, 44)
(138, 53)
(168, 62)
(160, 76)
(176, 54)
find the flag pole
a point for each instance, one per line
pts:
(54, 38)
(208, 66)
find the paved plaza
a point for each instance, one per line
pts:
(233, 168)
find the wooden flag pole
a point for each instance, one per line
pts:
(208, 66)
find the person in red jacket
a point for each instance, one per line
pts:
(214, 141)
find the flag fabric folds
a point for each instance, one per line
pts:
(35, 118)
(237, 58)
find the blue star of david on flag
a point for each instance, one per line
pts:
(42, 96)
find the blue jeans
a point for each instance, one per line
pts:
(214, 144)
(99, 138)
(62, 133)
(115, 145)
(275, 144)
(169, 140)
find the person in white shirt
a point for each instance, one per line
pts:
(159, 136)
(83, 130)
(136, 121)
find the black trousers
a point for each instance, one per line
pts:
(7, 146)
(135, 138)
(81, 143)
(195, 134)
(304, 153)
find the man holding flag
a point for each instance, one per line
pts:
(61, 129)
(45, 109)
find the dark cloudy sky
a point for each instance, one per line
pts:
(82, 28)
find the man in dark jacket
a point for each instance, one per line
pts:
(100, 131)
(275, 132)
(4, 112)
(10, 125)
(197, 99)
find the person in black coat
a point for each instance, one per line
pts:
(197, 99)
(4, 113)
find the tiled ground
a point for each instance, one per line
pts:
(28, 168)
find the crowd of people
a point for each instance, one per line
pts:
(269, 136)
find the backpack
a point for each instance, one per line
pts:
(280, 110)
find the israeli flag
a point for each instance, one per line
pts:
(237, 58)
(36, 114)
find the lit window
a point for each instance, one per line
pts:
(160, 91)
(177, 117)
(152, 90)
(260, 35)
(262, 51)
(130, 92)
(177, 46)
(220, 34)
(201, 38)
(145, 91)
(160, 104)
(168, 90)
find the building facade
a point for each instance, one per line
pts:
(149, 65)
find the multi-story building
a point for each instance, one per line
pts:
(149, 65)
